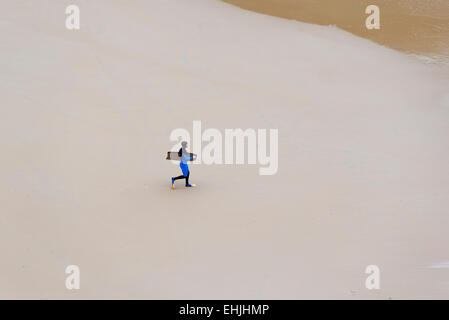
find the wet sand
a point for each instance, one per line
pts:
(418, 27)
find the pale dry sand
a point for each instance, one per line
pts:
(85, 122)
(419, 27)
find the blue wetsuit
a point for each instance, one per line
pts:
(183, 164)
(185, 170)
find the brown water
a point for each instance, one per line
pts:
(418, 27)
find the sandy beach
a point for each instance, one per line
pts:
(363, 173)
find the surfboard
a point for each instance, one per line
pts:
(173, 155)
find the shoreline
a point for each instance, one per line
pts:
(410, 26)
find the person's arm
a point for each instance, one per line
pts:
(186, 158)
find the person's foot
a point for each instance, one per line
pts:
(190, 185)
(173, 183)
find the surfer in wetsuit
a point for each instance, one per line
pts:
(185, 156)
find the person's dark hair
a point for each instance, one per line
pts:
(184, 144)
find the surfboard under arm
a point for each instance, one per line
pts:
(173, 155)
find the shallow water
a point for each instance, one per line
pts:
(419, 27)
